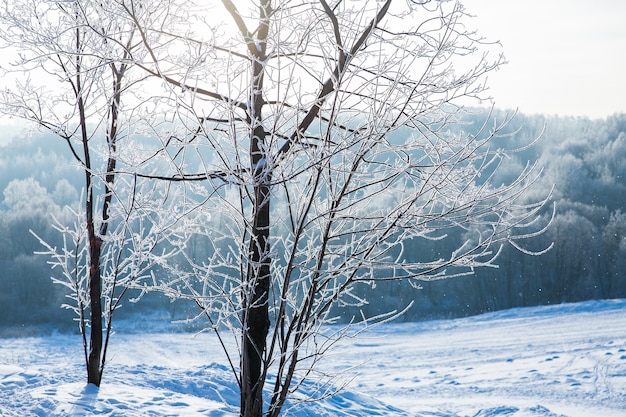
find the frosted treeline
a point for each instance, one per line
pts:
(582, 159)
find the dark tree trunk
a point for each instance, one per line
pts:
(255, 316)
(96, 355)
(256, 312)
(94, 372)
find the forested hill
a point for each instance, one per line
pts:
(584, 160)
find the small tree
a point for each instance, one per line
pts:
(75, 57)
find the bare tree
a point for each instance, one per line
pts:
(320, 133)
(309, 141)
(71, 70)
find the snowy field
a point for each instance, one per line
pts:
(567, 360)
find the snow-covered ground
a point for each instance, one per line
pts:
(567, 360)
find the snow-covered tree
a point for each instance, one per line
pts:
(312, 141)
(305, 145)
(71, 69)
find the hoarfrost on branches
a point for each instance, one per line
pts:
(297, 150)
(326, 141)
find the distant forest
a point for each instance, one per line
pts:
(583, 161)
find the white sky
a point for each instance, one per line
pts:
(566, 57)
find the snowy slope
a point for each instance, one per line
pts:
(567, 360)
